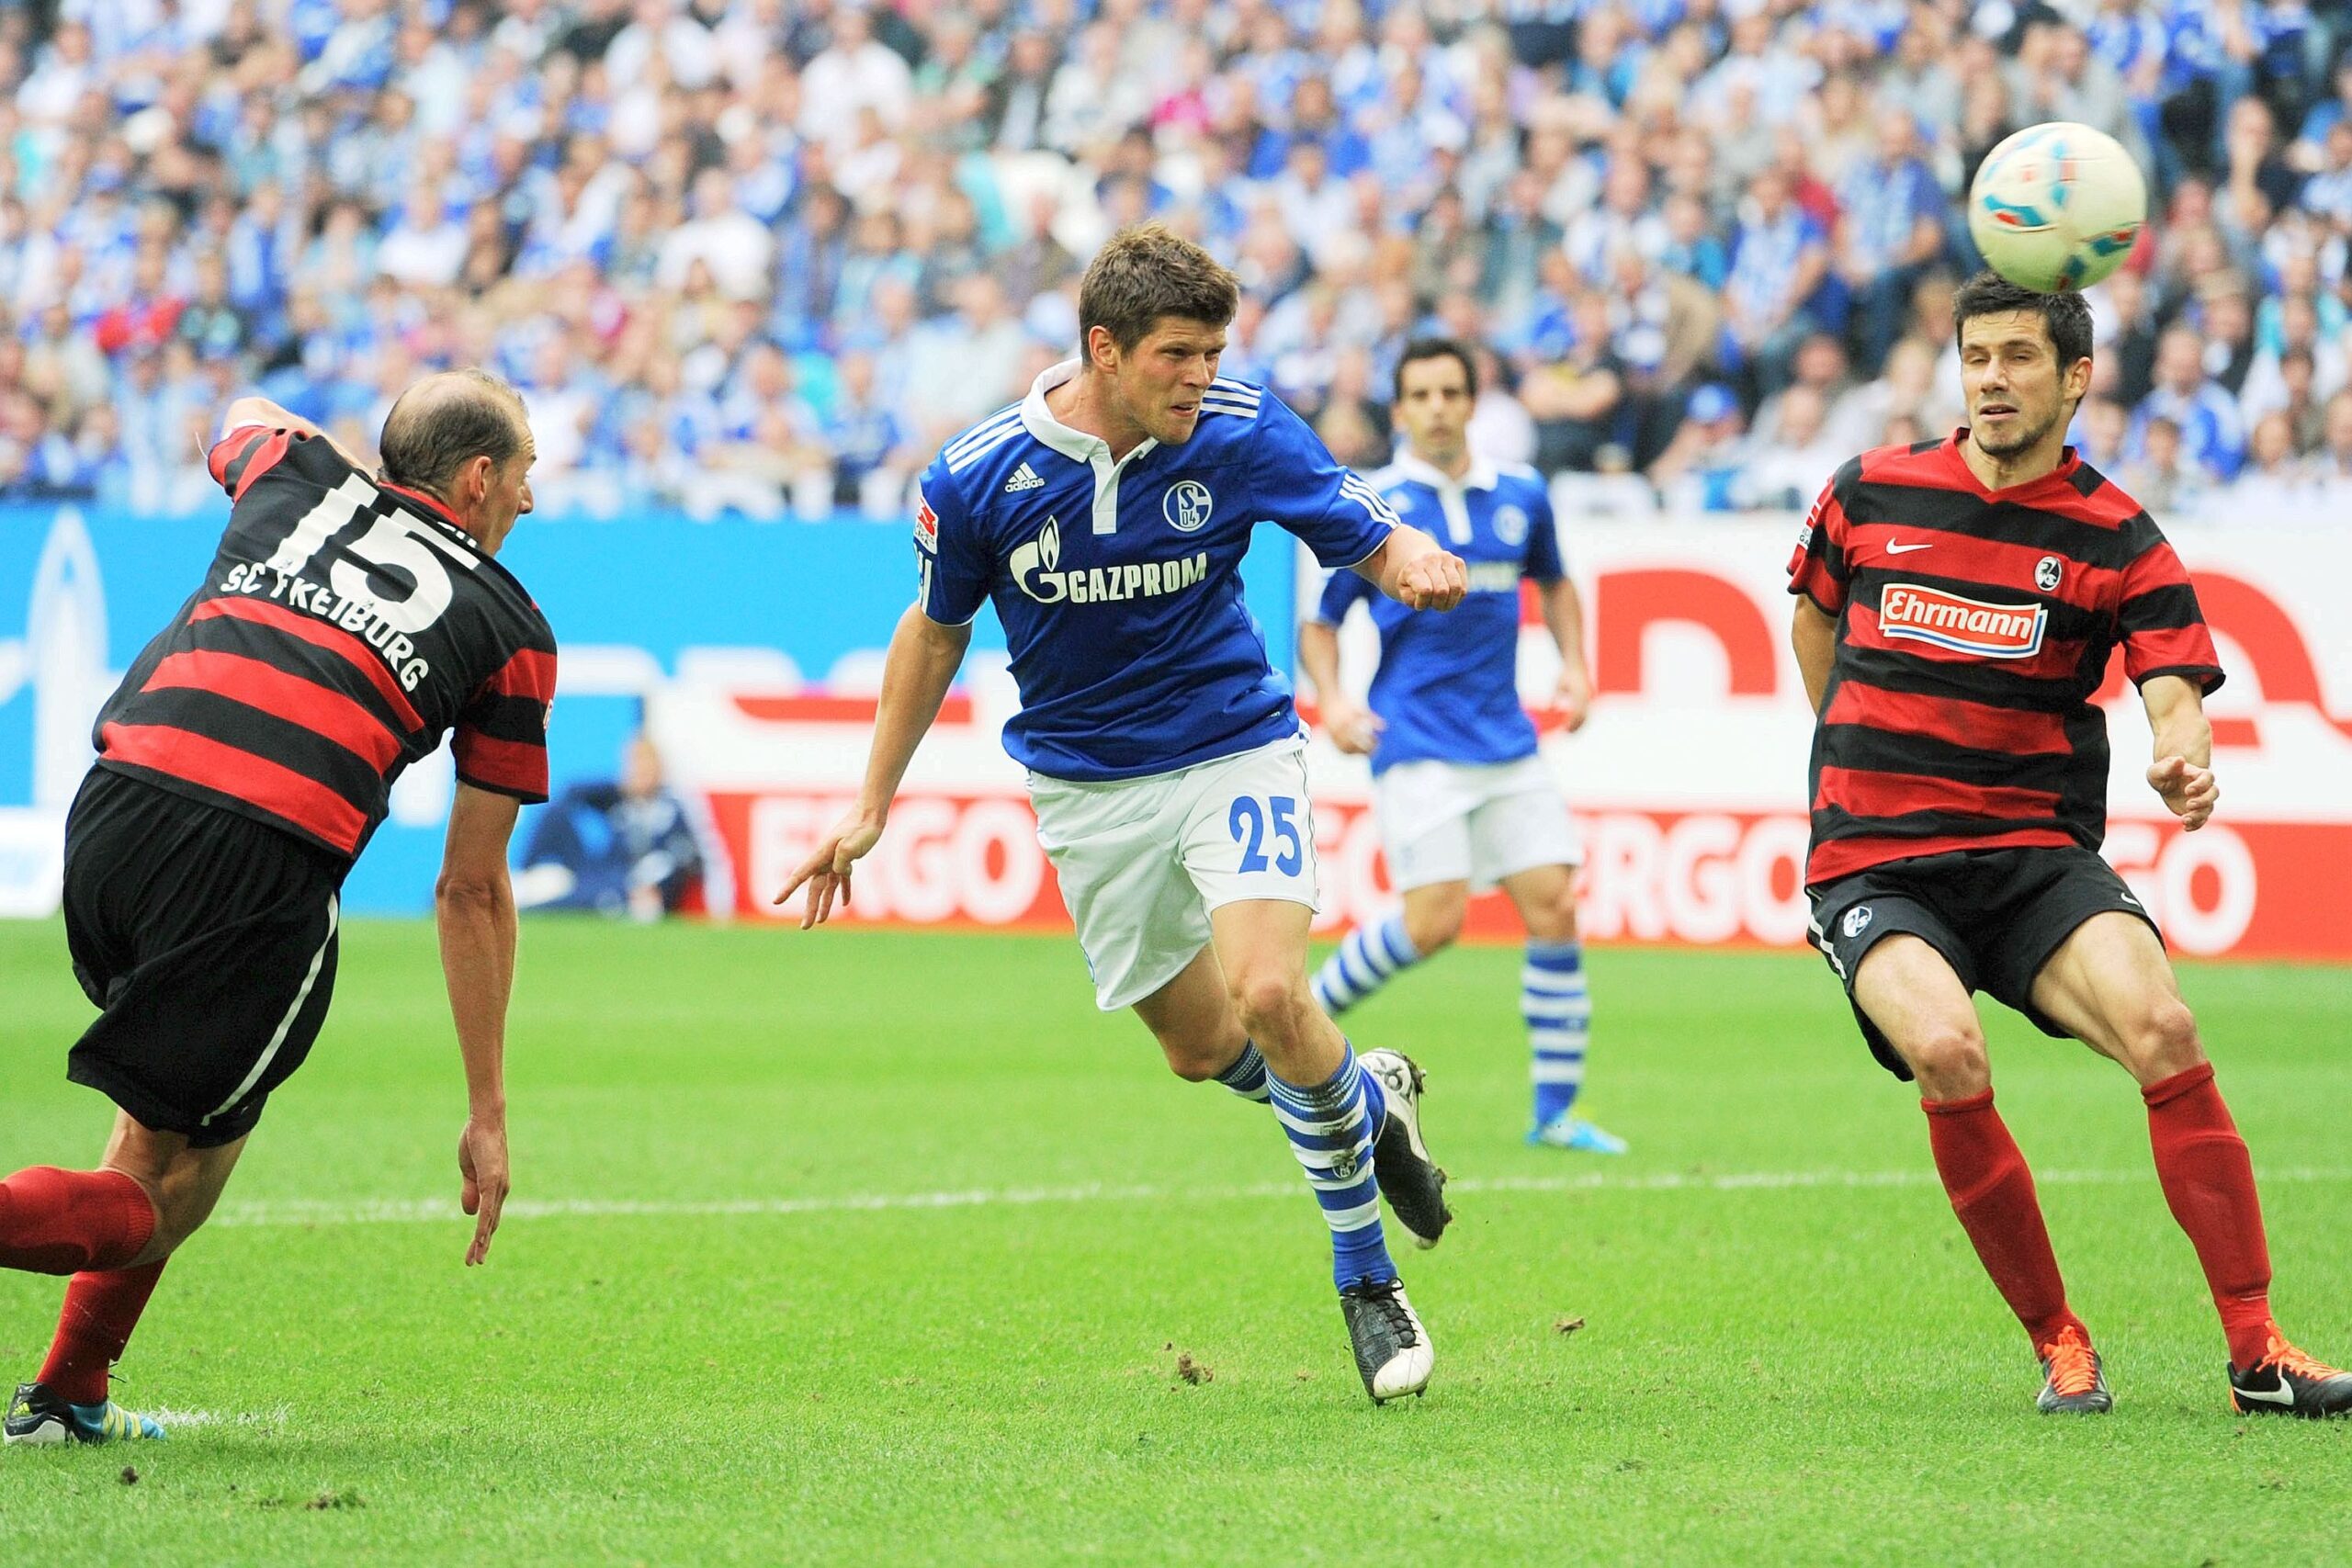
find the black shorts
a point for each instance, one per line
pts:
(208, 940)
(1995, 915)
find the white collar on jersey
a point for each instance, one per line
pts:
(1075, 444)
(1482, 475)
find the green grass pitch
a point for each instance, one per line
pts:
(882, 1248)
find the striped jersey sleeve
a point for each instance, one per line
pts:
(951, 565)
(2164, 631)
(1302, 488)
(502, 735)
(1817, 569)
(242, 456)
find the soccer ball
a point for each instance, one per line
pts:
(2057, 207)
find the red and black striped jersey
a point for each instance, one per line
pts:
(1973, 628)
(345, 626)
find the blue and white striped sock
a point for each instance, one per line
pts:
(1366, 960)
(1247, 1076)
(1559, 1019)
(1331, 1127)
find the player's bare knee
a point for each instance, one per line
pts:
(1270, 1003)
(2163, 1040)
(1949, 1060)
(1435, 927)
(1552, 920)
(186, 1215)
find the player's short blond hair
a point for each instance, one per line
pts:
(1147, 274)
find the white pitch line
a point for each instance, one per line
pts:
(180, 1420)
(436, 1211)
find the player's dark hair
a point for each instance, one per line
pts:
(443, 422)
(2067, 316)
(1149, 273)
(1422, 348)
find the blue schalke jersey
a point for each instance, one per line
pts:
(1448, 684)
(1119, 583)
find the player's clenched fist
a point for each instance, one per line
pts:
(826, 871)
(2189, 791)
(1355, 730)
(1432, 581)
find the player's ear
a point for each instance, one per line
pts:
(2078, 378)
(1101, 348)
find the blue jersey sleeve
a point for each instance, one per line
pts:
(1340, 593)
(952, 558)
(1546, 562)
(1302, 488)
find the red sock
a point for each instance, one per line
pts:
(1992, 1192)
(2208, 1182)
(100, 1312)
(61, 1221)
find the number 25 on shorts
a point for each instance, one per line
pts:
(1248, 822)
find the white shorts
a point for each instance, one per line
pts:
(1142, 861)
(1474, 822)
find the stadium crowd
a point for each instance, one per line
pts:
(763, 254)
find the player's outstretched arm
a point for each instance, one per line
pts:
(1413, 569)
(473, 904)
(1353, 728)
(923, 658)
(2183, 770)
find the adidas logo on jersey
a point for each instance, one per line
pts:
(1023, 478)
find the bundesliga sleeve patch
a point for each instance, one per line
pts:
(1966, 626)
(926, 522)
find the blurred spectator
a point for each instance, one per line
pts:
(780, 249)
(2288, 384)
(1891, 233)
(1906, 390)
(721, 236)
(2157, 473)
(2333, 466)
(2124, 336)
(1849, 416)
(971, 361)
(2101, 427)
(2225, 317)
(1786, 470)
(622, 846)
(1500, 428)
(851, 77)
(2202, 417)
(2275, 484)
(1698, 470)
(872, 459)
(1779, 258)
(1575, 389)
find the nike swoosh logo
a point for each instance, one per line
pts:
(2282, 1395)
(1902, 549)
